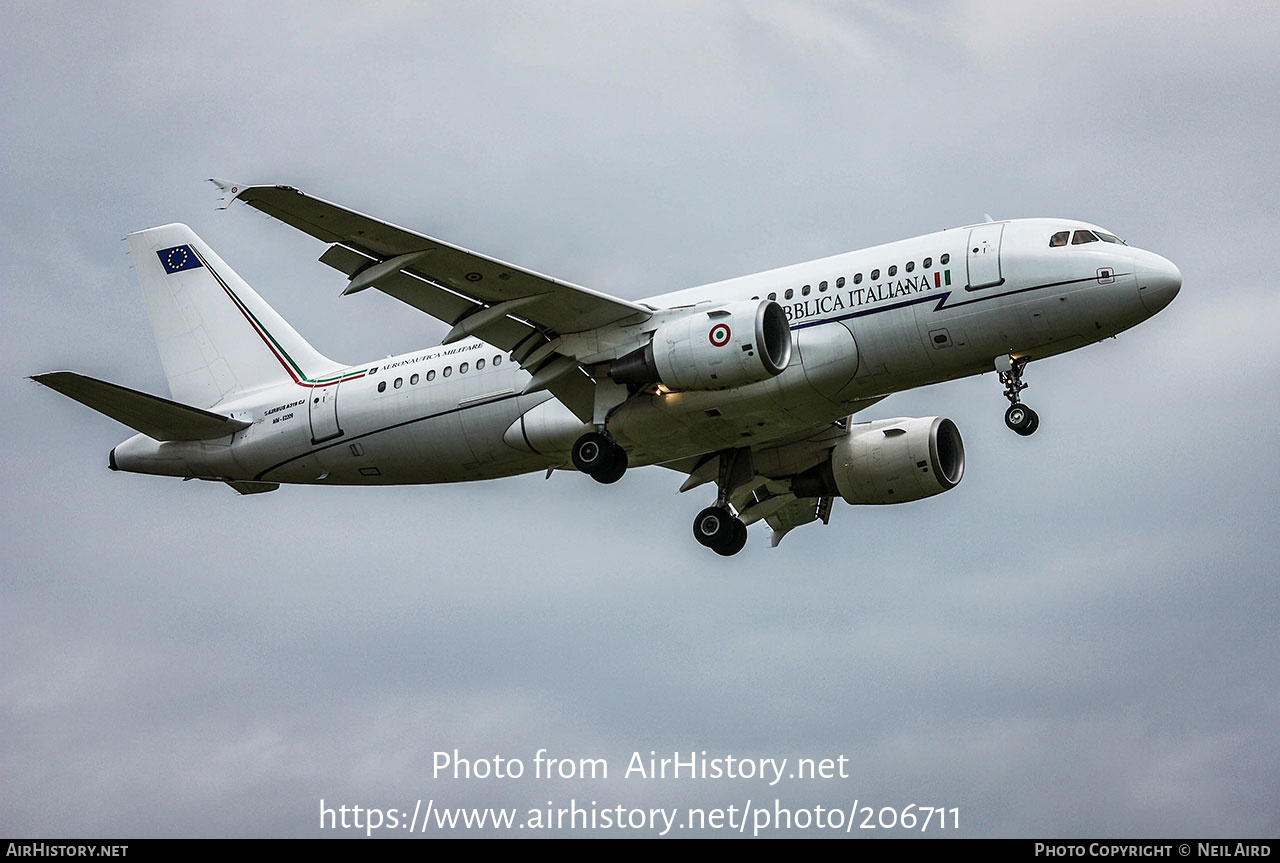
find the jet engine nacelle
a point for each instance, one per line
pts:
(898, 460)
(728, 346)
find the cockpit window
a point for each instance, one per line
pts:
(1083, 237)
(1059, 239)
(1110, 238)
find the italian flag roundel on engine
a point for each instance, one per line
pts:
(720, 335)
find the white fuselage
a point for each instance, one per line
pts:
(864, 324)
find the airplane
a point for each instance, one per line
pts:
(752, 383)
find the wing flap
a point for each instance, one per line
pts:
(155, 417)
(344, 260)
(793, 513)
(490, 323)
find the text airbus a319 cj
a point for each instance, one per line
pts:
(751, 384)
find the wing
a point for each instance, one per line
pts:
(510, 307)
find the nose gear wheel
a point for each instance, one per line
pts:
(1022, 419)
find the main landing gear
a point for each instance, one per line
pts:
(1018, 417)
(596, 455)
(717, 527)
(720, 530)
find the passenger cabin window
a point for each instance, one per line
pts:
(413, 381)
(462, 369)
(773, 295)
(399, 382)
(382, 386)
(1059, 239)
(857, 278)
(875, 274)
(497, 361)
(944, 260)
(822, 286)
(479, 365)
(805, 290)
(893, 271)
(448, 370)
(431, 374)
(911, 265)
(789, 294)
(1082, 237)
(927, 263)
(840, 282)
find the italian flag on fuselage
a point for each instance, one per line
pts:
(939, 277)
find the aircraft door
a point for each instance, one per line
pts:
(829, 357)
(984, 255)
(324, 413)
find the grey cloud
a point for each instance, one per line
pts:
(1076, 641)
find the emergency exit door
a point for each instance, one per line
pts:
(984, 255)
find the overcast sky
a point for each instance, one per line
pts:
(1079, 640)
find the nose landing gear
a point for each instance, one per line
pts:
(1018, 417)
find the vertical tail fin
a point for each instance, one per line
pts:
(217, 337)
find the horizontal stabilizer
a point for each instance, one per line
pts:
(155, 417)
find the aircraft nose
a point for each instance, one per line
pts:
(1158, 281)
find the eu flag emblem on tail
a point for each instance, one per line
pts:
(178, 258)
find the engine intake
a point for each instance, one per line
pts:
(728, 346)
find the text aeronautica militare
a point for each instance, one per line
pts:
(583, 814)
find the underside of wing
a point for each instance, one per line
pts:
(796, 512)
(512, 308)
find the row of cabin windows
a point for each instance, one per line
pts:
(909, 267)
(1080, 237)
(431, 374)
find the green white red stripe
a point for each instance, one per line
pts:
(282, 356)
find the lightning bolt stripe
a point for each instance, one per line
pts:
(942, 301)
(282, 356)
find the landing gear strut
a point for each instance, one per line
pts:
(717, 527)
(596, 455)
(1018, 417)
